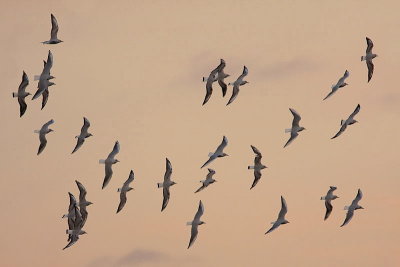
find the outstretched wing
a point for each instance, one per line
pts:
(329, 208)
(54, 27)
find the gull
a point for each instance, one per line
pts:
(195, 223)
(109, 161)
(354, 206)
(42, 135)
(71, 212)
(368, 58)
(294, 131)
(209, 180)
(21, 94)
(125, 188)
(258, 166)
(349, 121)
(221, 76)
(166, 184)
(328, 198)
(83, 203)
(238, 83)
(339, 84)
(44, 77)
(45, 94)
(211, 79)
(281, 217)
(76, 229)
(219, 153)
(83, 135)
(53, 33)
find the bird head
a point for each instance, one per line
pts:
(89, 135)
(201, 222)
(285, 222)
(83, 232)
(130, 188)
(50, 77)
(50, 130)
(172, 183)
(28, 94)
(89, 203)
(335, 197)
(115, 161)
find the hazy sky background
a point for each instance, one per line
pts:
(134, 69)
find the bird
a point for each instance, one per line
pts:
(281, 217)
(44, 77)
(125, 188)
(53, 33)
(83, 135)
(209, 180)
(42, 135)
(21, 94)
(328, 198)
(350, 120)
(237, 84)
(211, 79)
(109, 161)
(45, 94)
(166, 184)
(71, 212)
(258, 166)
(221, 75)
(354, 206)
(339, 84)
(76, 229)
(195, 223)
(83, 203)
(219, 153)
(368, 58)
(294, 131)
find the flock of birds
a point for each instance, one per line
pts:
(77, 210)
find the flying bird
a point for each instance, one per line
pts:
(42, 135)
(53, 33)
(354, 206)
(109, 161)
(71, 212)
(123, 190)
(258, 166)
(211, 79)
(209, 180)
(45, 94)
(21, 94)
(294, 131)
(195, 223)
(44, 77)
(349, 121)
(219, 153)
(237, 84)
(166, 184)
(83, 203)
(328, 198)
(368, 58)
(339, 84)
(221, 75)
(281, 217)
(83, 135)
(76, 229)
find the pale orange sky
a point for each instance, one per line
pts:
(134, 69)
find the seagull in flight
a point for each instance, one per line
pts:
(109, 161)
(83, 135)
(76, 228)
(281, 217)
(21, 94)
(209, 180)
(53, 33)
(71, 213)
(368, 58)
(349, 121)
(294, 131)
(237, 84)
(354, 206)
(258, 166)
(213, 77)
(328, 198)
(339, 84)
(166, 184)
(218, 153)
(42, 135)
(44, 77)
(124, 189)
(45, 94)
(195, 223)
(83, 203)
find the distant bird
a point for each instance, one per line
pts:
(258, 166)
(368, 58)
(76, 230)
(339, 84)
(53, 33)
(221, 75)
(195, 223)
(83, 135)
(109, 161)
(44, 77)
(354, 206)
(45, 94)
(281, 217)
(21, 94)
(71, 212)
(349, 121)
(219, 153)
(328, 198)
(125, 188)
(42, 135)
(209, 180)
(211, 79)
(294, 131)
(237, 84)
(83, 203)
(166, 184)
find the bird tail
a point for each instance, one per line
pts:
(36, 77)
(102, 161)
(189, 223)
(15, 94)
(36, 131)
(288, 130)
(250, 167)
(323, 198)
(159, 185)
(346, 207)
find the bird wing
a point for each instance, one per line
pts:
(293, 136)
(201, 188)
(209, 90)
(221, 147)
(331, 93)
(344, 77)
(193, 235)
(79, 143)
(199, 212)
(47, 124)
(122, 201)
(283, 211)
(85, 126)
(210, 174)
(223, 85)
(45, 96)
(370, 67)
(82, 192)
(168, 171)
(54, 27)
(209, 160)
(296, 118)
(115, 150)
(24, 83)
(22, 106)
(329, 208)
(244, 73)
(257, 177)
(73, 240)
(43, 142)
(235, 93)
(48, 65)
(256, 151)
(108, 175)
(370, 45)
(358, 198)
(274, 226)
(349, 215)
(342, 129)
(130, 179)
(166, 196)
(355, 112)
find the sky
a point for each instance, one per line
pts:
(135, 68)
